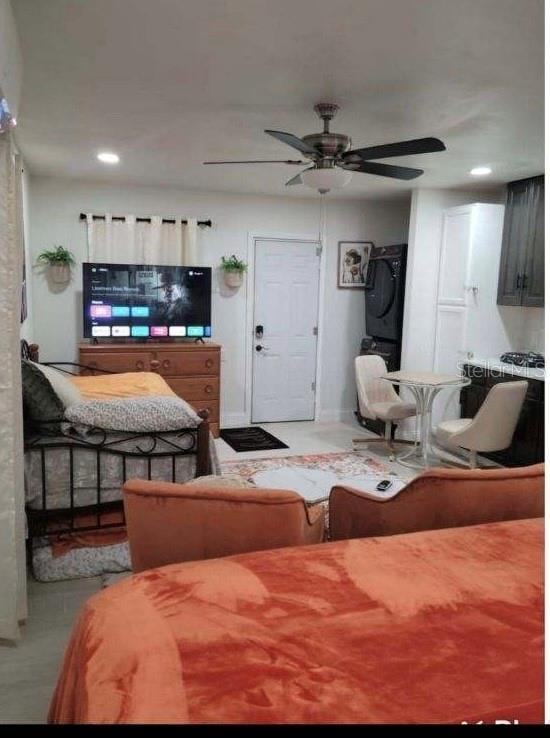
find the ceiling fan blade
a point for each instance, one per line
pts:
(260, 161)
(291, 140)
(383, 170)
(295, 180)
(401, 148)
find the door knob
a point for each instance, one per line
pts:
(258, 347)
(259, 332)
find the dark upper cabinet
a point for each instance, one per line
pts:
(521, 278)
(533, 286)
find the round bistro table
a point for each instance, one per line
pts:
(424, 386)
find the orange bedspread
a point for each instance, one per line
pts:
(439, 626)
(127, 384)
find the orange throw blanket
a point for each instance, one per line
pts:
(434, 627)
(115, 386)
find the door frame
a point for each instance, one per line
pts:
(254, 236)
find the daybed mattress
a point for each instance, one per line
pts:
(433, 627)
(112, 476)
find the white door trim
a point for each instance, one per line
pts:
(254, 236)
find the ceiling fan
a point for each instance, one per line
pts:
(333, 161)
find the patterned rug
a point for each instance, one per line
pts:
(345, 464)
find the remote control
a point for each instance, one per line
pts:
(384, 485)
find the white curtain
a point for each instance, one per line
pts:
(133, 241)
(13, 594)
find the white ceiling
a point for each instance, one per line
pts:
(170, 83)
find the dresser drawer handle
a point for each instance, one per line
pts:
(154, 364)
(209, 364)
(140, 365)
(166, 364)
(208, 389)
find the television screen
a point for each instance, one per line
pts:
(142, 301)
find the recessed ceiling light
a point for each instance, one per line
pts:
(480, 171)
(108, 157)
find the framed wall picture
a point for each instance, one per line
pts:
(353, 259)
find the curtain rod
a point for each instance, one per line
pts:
(205, 223)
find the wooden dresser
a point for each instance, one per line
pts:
(191, 369)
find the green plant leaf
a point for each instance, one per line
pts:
(57, 255)
(233, 264)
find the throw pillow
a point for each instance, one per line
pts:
(40, 401)
(66, 390)
(134, 414)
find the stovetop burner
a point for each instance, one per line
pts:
(529, 359)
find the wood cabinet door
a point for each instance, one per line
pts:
(514, 242)
(533, 279)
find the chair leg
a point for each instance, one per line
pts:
(389, 439)
(473, 459)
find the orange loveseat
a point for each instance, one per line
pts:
(440, 498)
(168, 523)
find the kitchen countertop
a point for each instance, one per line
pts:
(499, 366)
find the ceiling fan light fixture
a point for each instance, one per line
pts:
(326, 179)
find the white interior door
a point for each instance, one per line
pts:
(286, 300)
(452, 304)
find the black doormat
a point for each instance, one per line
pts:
(252, 438)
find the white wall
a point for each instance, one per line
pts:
(11, 68)
(55, 207)
(533, 330)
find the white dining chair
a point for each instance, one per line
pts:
(493, 426)
(378, 400)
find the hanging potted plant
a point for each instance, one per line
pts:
(59, 262)
(233, 270)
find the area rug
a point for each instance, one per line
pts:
(252, 438)
(344, 464)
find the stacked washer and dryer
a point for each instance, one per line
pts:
(384, 300)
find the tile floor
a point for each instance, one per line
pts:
(28, 670)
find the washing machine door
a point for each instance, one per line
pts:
(380, 299)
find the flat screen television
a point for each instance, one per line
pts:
(139, 302)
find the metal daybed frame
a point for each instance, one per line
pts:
(45, 521)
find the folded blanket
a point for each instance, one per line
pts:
(127, 384)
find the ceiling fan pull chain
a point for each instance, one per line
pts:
(322, 218)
